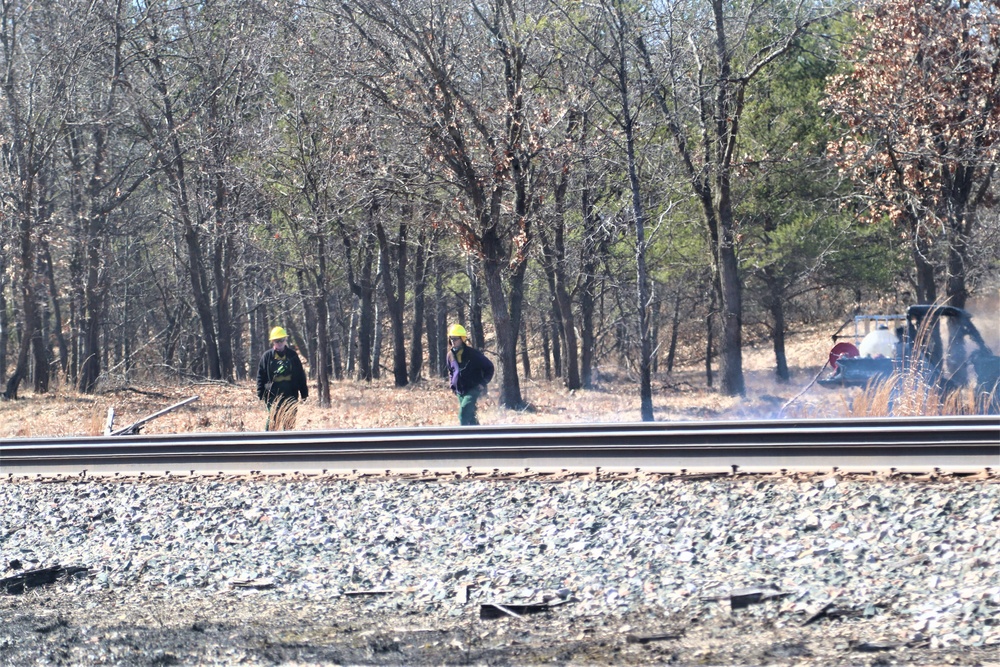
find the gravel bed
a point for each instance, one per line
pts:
(739, 570)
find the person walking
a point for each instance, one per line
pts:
(469, 371)
(280, 381)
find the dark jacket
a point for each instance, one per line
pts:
(281, 375)
(468, 369)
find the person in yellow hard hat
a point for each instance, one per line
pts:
(280, 381)
(469, 371)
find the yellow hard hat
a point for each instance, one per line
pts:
(456, 330)
(278, 332)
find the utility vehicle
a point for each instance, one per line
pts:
(939, 342)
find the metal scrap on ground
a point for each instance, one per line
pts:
(645, 639)
(133, 429)
(18, 583)
(744, 597)
(493, 610)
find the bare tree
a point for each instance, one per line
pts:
(32, 117)
(107, 170)
(201, 95)
(700, 61)
(608, 34)
(922, 110)
(393, 259)
(554, 254)
(305, 174)
(63, 76)
(454, 73)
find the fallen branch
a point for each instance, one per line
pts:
(133, 429)
(796, 396)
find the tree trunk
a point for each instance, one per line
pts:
(558, 284)
(642, 277)
(546, 357)
(46, 257)
(416, 332)
(21, 365)
(335, 337)
(393, 284)
(437, 333)
(525, 361)
(588, 340)
(90, 366)
(26, 258)
(366, 319)
(776, 304)
(956, 287)
(377, 341)
(30, 326)
(222, 270)
(556, 328)
(202, 301)
(174, 166)
(240, 318)
(364, 289)
(654, 336)
(926, 284)
(307, 336)
(710, 339)
(731, 294)
(94, 296)
(510, 388)
(956, 290)
(675, 323)
(40, 356)
(475, 304)
(594, 245)
(431, 315)
(4, 319)
(548, 266)
(353, 334)
(323, 347)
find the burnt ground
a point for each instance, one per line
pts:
(55, 625)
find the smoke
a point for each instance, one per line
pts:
(985, 310)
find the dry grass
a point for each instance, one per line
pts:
(680, 396)
(228, 408)
(909, 395)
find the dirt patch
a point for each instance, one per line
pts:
(131, 628)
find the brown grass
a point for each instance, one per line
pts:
(677, 397)
(908, 395)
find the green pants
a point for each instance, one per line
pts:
(467, 408)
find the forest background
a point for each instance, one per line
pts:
(604, 185)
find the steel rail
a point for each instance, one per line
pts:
(961, 444)
(989, 423)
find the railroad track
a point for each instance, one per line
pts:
(952, 444)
